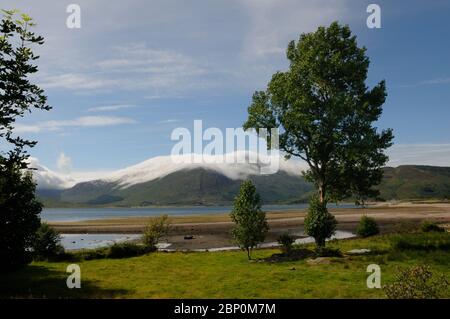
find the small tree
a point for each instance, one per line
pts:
(250, 221)
(319, 223)
(156, 229)
(47, 244)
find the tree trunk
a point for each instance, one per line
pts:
(321, 193)
(248, 254)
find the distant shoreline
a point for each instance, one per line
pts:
(213, 230)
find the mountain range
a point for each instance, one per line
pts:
(161, 181)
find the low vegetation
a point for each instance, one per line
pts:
(156, 229)
(418, 282)
(286, 242)
(367, 227)
(231, 275)
(47, 243)
(429, 226)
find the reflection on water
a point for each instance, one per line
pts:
(89, 241)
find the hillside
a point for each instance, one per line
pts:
(202, 186)
(415, 182)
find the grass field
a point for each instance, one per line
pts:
(223, 275)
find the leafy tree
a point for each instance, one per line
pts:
(325, 112)
(154, 231)
(250, 221)
(47, 244)
(319, 223)
(19, 210)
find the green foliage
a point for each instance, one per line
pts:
(286, 241)
(47, 243)
(429, 226)
(19, 217)
(415, 182)
(367, 227)
(155, 231)
(126, 249)
(250, 221)
(18, 94)
(319, 223)
(19, 210)
(417, 282)
(325, 113)
(421, 241)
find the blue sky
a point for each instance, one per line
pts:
(138, 69)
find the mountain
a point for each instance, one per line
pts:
(161, 181)
(415, 182)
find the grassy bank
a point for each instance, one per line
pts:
(224, 274)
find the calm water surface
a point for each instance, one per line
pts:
(80, 214)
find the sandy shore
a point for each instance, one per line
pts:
(211, 231)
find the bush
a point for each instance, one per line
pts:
(123, 250)
(155, 230)
(429, 226)
(319, 223)
(421, 241)
(367, 227)
(417, 282)
(286, 241)
(47, 243)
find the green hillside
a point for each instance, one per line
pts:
(206, 187)
(415, 182)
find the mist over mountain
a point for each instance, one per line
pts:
(167, 181)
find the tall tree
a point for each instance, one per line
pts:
(325, 113)
(250, 221)
(19, 209)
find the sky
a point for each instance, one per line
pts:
(136, 70)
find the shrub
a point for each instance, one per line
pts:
(421, 241)
(126, 249)
(47, 243)
(155, 230)
(286, 241)
(367, 227)
(429, 226)
(319, 223)
(417, 282)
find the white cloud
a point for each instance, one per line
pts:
(435, 81)
(107, 108)
(64, 163)
(274, 23)
(132, 67)
(84, 121)
(419, 154)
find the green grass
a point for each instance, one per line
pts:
(222, 275)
